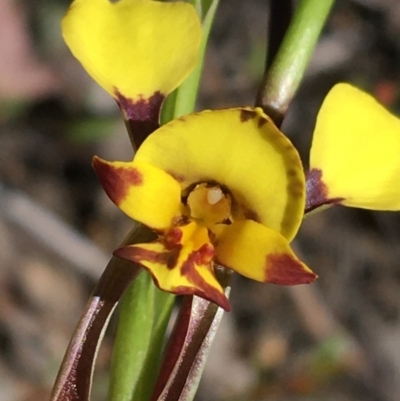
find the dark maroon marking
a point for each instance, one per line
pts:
(173, 237)
(139, 255)
(116, 180)
(246, 115)
(296, 188)
(181, 221)
(202, 256)
(142, 115)
(317, 191)
(202, 289)
(292, 172)
(261, 122)
(284, 269)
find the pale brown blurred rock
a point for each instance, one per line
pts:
(22, 76)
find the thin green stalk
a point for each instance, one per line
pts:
(283, 78)
(141, 330)
(168, 109)
(186, 95)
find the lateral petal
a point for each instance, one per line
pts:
(355, 154)
(259, 253)
(145, 193)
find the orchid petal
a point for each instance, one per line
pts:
(145, 193)
(259, 253)
(355, 155)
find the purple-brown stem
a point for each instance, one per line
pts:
(74, 379)
(187, 349)
(142, 116)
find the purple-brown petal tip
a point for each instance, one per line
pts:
(285, 269)
(317, 191)
(116, 178)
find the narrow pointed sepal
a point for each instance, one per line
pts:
(260, 254)
(145, 193)
(355, 152)
(180, 263)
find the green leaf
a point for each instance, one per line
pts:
(133, 337)
(144, 315)
(163, 304)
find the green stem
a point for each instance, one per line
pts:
(168, 109)
(283, 78)
(185, 96)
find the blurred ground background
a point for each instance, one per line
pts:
(338, 339)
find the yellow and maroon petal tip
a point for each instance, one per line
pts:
(355, 149)
(143, 192)
(317, 192)
(286, 269)
(259, 253)
(180, 263)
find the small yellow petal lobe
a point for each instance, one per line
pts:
(145, 193)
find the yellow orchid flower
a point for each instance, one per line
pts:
(218, 186)
(228, 187)
(221, 187)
